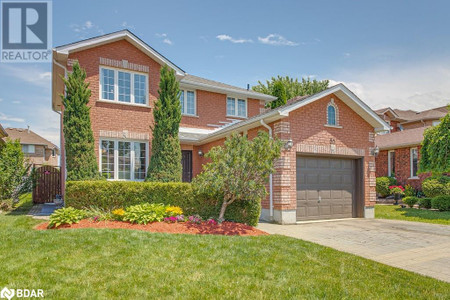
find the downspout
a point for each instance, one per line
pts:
(62, 142)
(270, 176)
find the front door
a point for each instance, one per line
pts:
(186, 162)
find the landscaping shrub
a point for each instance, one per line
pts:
(425, 203)
(99, 214)
(409, 191)
(436, 186)
(383, 184)
(68, 215)
(110, 195)
(145, 213)
(410, 200)
(441, 203)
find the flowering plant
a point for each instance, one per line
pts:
(211, 222)
(174, 210)
(174, 219)
(397, 189)
(96, 219)
(195, 219)
(118, 212)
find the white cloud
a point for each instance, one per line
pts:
(86, 29)
(418, 86)
(126, 25)
(161, 35)
(224, 37)
(16, 102)
(30, 74)
(276, 40)
(167, 41)
(165, 38)
(4, 117)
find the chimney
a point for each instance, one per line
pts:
(28, 128)
(248, 86)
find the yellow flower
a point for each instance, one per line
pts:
(174, 210)
(118, 212)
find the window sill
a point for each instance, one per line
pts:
(414, 178)
(332, 126)
(239, 117)
(190, 116)
(123, 103)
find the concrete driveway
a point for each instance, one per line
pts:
(418, 247)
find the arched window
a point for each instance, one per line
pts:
(331, 115)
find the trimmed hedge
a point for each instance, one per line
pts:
(121, 194)
(410, 201)
(383, 184)
(436, 186)
(441, 203)
(425, 203)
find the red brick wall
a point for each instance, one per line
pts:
(212, 108)
(402, 167)
(417, 124)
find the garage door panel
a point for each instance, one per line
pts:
(330, 178)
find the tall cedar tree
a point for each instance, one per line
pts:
(292, 88)
(165, 162)
(79, 139)
(435, 150)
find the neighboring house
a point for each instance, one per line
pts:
(37, 149)
(327, 168)
(399, 150)
(3, 134)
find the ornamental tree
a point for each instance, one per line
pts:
(293, 87)
(435, 150)
(79, 138)
(165, 162)
(238, 170)
(14, 169)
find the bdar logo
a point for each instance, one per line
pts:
(7, 293)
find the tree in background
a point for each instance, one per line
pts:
(293, 87)
(238, 170)
(435, 151)
(279, 91)
(14, 171)
(165, 162)
(79, 138)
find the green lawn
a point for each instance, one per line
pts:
(395, 212)
(113, 264)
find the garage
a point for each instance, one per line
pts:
(326, 188)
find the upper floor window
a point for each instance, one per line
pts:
(236, 107)
(187, 100)
(28, 149)
(436, 123)
(414, 161)
(332, 114)
(123, 86)
(53, 152)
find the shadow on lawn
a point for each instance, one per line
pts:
(424, 214)
(22, 207)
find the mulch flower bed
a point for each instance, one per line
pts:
(226, 228)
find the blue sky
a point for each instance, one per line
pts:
(390, 53)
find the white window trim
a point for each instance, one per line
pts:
(336, 114)
(411, 163)
(116, 158)
(184, 113)
(236, 115)
(116, 86)
(390, 162)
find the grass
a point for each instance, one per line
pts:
(395, 212)
(104, 264)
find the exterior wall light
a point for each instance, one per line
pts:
(289, 144)
(376, 151)
(200, 153)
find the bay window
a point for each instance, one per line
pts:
(187, 101)
(123, 160)
(236, 107)
(123, 86)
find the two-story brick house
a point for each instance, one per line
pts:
(36, 149)
(399, 149)
(327, 168)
